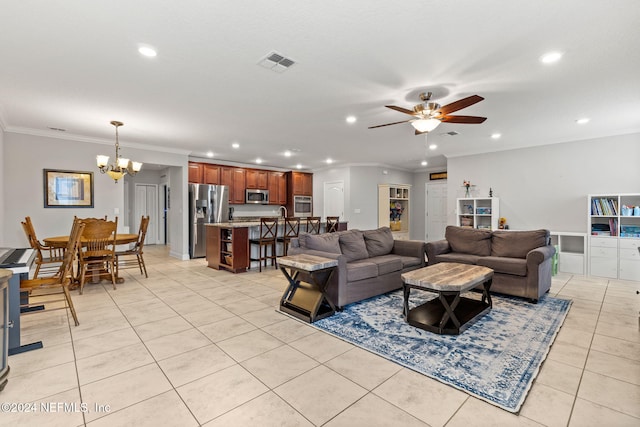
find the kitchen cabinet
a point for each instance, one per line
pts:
(196, 173)
(235, 179)
(301, 184)
(228, 248)
(257, 179)
(211, 174)
(277, 186)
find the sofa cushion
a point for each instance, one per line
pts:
(327, 242)
(409, 261)
(362, 269)
(468, 240)
(457, 257)
(387, 263)
(352, 245)
(516, 244)
(515, 266)
(378, 242)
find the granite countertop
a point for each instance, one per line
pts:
(249, 222)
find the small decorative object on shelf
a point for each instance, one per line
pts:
(502, 224)
(490, 192)
(467, 186)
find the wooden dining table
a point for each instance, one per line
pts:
(62, 241)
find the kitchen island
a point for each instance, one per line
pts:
(228, 242)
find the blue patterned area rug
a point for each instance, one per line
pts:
(496, 359)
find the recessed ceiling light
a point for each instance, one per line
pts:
(147, 51)
(433, 147)
(258, 160)
(551, 57)
(287, 153)
(583, 121)
(329, 161)
(298, 166)
(209, 153)
(351, 119)
(423, 163)
(235, 145)
(496, 135)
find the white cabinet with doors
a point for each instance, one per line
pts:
(614, 236)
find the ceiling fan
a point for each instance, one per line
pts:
(428, 115)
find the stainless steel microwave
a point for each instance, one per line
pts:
(302, 206)
(260, 197)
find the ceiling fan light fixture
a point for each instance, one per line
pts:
(425, 125)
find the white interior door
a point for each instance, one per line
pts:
(436, 210)
(147, 204)
(334, 199)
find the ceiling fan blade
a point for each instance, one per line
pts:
(463, 119)
(403, 110)
(388, 124)
(459, 105)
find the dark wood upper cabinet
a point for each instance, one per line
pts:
(196, 173)
(211, 174)
(234, 178)
(277, 186)
(301, 184)
(257, 179)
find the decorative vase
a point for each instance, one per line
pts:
(467, 192)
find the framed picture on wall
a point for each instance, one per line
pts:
(68, 189)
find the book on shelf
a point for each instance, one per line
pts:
(606, 207)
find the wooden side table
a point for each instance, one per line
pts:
(305, 298)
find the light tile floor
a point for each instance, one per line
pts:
(194, 346)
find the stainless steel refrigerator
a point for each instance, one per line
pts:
(207, 204)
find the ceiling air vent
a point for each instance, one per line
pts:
(452, 133)
(276, 62)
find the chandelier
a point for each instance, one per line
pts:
(121, 166)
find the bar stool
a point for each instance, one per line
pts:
(313, 224)
(268, 238)
(332, 224)
(291, 230)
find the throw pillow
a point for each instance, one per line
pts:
(352, 245)
(379, 242)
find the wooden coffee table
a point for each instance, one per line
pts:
(449, 313)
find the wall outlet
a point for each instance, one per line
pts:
(116, 211)
(356, 211)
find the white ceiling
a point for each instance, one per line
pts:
(74, 65)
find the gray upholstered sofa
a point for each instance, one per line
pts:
(521, 260)
(369, 262)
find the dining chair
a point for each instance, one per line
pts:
(48, 258)
(313, 224)
(98, 250)
(268, 238)
(291, 230)
(132, 258)
(332, 224)
(42, 292)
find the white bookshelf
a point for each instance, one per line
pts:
(614, 236)
(477, 212)
(390, 196)
(572, 251)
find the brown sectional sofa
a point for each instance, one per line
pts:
(521, 260)
(369, 262)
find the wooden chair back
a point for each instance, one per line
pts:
(332, 224)
(98, 238)
(44, 254)
(142, 232)
(291, 227)
(313, 224)
(268, 228)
